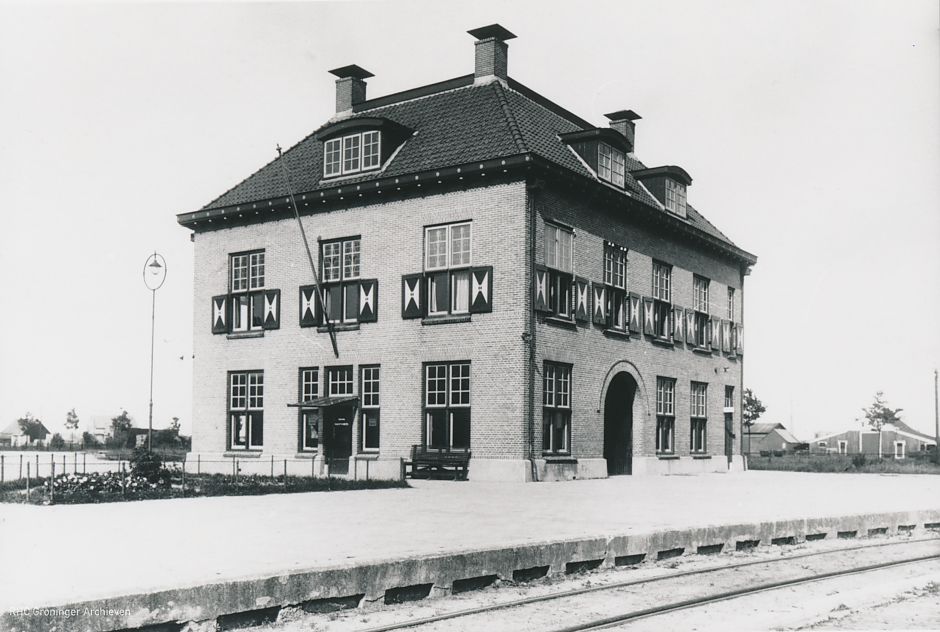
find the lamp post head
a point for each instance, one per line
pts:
(154, 272)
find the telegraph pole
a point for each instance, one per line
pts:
(936, 420)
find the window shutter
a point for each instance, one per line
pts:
(309, 306)
(648, 316)
(678, 324)
(690, 326)
(634, 315)
(220, 314)
(739, 342)
(726, 336)
(733, 346)
(368, 301)
(600, 304)
(272, 309)
(541, 289)
(714, 338)
(481, 290)
(582, 290)
(412, 296)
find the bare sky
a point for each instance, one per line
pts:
(811, 130)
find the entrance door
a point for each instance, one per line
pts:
(729, 437)
(618, 424)
(337, 428)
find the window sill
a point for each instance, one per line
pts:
(559, 459)
(667, 457)
(616, 333)
(339, 327)
(309, 454)
(558, 321)
(237, 335)
(367, 456)
(246, 454)
(445, 319)
(701, 456)
(702, 350)
(662, 342)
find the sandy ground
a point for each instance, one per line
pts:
(64, 554)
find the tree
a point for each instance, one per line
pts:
(89, 440)
(879, 414)
(32, 428)
(120, 426)
(753, 407)
(175, 425)
(71, 420)
(57, 442)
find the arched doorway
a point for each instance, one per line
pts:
(618, 424)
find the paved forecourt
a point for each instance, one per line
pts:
(88, 553)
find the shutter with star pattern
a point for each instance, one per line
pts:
(220, 314)
(714, 337)
(691, 326)
(481, 290)
(739, 339)
(599, 300)
(412, 296)
(726, 336)
(635, 316)
(678, 324)
(648, 316)
(540, 300)
(272, 309)
(582, 292)
(309, 306)
(368, 300)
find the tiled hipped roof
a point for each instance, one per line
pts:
(460, 124)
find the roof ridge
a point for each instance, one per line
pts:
(510, 117)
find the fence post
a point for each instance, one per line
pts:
(183, 480)
(367, 470)
(123, 482)
(198, 464)
(233, 470)
(52, 481)
(21, 467)
(329, 474)
(84, 464)
(64, 469)
(285, 473)
(37, 465)
(1, 468)
(272, 466)
(313, 469)
(27, 481)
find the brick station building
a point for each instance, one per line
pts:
(501, 276)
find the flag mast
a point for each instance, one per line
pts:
(313, 268)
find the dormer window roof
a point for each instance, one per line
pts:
(359, 145)
(604, 151)
(668, 184)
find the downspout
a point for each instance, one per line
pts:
(744, 455)
(529, 335)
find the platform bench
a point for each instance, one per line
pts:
(433, 463)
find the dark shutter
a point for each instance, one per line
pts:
(582, 301)
(648, 316)
(540, 301)
(678, 324)
(368, 301)
(481, 290)
(412, 296)
(272, 309)
(599, 296)
(634, 313)
(220, 314)
(309, 306)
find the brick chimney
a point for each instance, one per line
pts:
(350, 87)
(623, 122)
(491, 59)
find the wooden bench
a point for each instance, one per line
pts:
(437, 463)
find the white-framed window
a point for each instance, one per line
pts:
(698, 410)
(352, 153)
(899, 449)
(559, 252)
(843, 446)
(369, 417)
(246, 410)
(339, 381)
(556, 408)
(675, 196)
(731, 304)
(447, 262)
(665, 415)
(615, 265)
(610, 164)
(340, 265)
(700, 305)
(309, 418)
(662, 298)
(447, 405)
(247, 285)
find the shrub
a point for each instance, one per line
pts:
(858, 461)
(57, 442)
(149, 465)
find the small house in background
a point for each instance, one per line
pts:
(100, 427)
(13, 436)
(770, 438)
(896, 441)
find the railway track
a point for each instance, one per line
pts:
(811, 568)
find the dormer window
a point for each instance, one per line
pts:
(610, 164)
(675, 197)
(352, 153)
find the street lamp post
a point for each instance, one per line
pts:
(154, 276)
